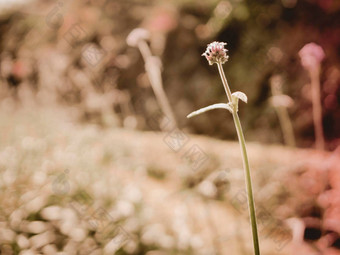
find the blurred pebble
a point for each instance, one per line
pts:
(152, 233)
(131, 247)
(17, 217)
(51, 213)
(125, 208)
(132, 224)
(6, 235)
(70, 247)
(69, 215)
(39, 178)
(36, 227)
(27, 252)
(50, 249)
(43, 239)
(156, 253)
(132, 193)
(66, 228)
(207, 189)
(78, 234)
(111, 247)
(97, 252)
(89, 244)
(22, 241)
(36, 204)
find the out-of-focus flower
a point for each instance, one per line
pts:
(136, 36)
(216, 53)
(311, 56)
(163, 19)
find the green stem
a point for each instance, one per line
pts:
(224, 81)
(242, 142)
(248, 182)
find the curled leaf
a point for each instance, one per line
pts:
(211, 107)
(236, 96)
(240, 95)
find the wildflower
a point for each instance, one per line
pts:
(216, 53)
(311, 56)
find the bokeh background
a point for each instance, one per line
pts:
(87, 167)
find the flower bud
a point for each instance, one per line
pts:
(216, 53)
(311, 56)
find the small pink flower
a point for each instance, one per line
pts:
(311, 56)
(216, 53)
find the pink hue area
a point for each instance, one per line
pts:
(20, 69)
(311, 56)
(216, 53)
(325, 4)
(162, 20)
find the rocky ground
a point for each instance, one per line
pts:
(71, 187)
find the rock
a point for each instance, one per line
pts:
(50, 249)
(16, 218)
(36, 227)
(43, 239)
(66, 228)
(207, 189)
(22, 241)
(51, 213)
(71, 247)
(78, 234)
(7, 235)
(36, 204)
(27, 252)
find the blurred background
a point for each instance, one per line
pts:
(97, 155)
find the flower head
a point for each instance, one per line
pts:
(311, 56)
(216, 53)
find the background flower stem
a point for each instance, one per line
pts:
(317, 110)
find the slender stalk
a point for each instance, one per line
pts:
(224, 81)
(242, 142)
(317, 110)
(251, 204)
(282, 113)
(286, 124)
(154, 73)
(144, 49)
